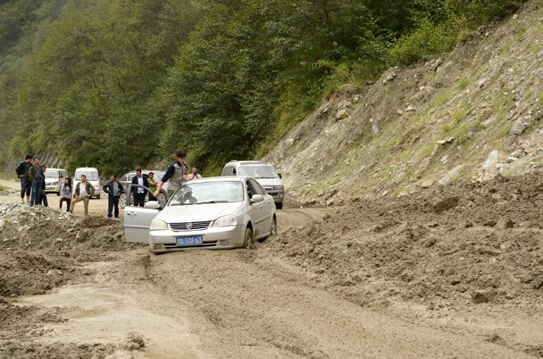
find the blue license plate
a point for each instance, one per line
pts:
(189, 241)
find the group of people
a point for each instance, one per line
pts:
(32, 177)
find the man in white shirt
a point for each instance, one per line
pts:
(139, 192)
(194, 176)
(83, 192)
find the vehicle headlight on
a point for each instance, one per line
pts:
(225, 221)
(158, 225)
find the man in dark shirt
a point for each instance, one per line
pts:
(22, 173)
(113, 188)
(175, 174)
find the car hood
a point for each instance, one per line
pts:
(50, 180)
(197, 212)
(269, 182)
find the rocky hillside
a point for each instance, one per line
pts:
(471, 114)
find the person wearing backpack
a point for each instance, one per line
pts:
(22, 174)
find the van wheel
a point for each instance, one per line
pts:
(248, 243)
(279, 205)
(58, 194)
(98, 197)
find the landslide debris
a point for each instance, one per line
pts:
(455, 246)
(41, 248)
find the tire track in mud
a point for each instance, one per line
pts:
(246, 304)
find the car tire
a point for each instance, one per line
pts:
(279, 205)
(122, 200)
(249, 239)
(162, 199)
(273, 229)
(58, 194)
(98, 197)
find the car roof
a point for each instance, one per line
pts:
(223, 179)
(54, 169)
(255, 162)
(86, 169)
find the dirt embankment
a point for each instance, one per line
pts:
(464, 244)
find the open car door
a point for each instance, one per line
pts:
(137, 220)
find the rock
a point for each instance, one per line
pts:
(389, 78)
(481, 83)
(427, 184)
(385, 193)
(505, 223)
(58, 240)
(482, 296)
(411, 109)
(518, 128)
(492, 159)
(289, 142)
(445, 204)
(375, 130)
(444, 159)
(424, 164)
(510, 159)
(487, 122)
(342, 114)
(451, 175)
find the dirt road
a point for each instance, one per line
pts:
(100, 297)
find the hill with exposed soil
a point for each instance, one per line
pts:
(470, 114)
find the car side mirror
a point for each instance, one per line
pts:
(152, 205)
(280, 176)
(257, 198)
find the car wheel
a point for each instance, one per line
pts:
(58, 194)
(122, 200)
(273, 229)
(162, 199)
(248, 243)
(98, 197)
(279, 205)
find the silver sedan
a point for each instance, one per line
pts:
(214, 213)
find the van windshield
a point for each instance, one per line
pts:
(52, 174)
(258, 171)
(91, 175)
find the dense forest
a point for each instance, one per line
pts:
(118, 83)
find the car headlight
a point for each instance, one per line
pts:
(158, 225)
(279, 187)
(224, 221)
(53, 183)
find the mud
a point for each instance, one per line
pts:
(456, 271)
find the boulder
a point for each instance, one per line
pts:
(341, 114)
(492, 159)
(451, 175)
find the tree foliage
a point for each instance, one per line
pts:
(121, 83)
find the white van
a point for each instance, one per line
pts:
(54, 178)
(92, 176)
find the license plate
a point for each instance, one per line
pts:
(189, 241)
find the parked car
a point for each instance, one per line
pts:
(263, 172)
(92, 177)
(126, 180)
(54, 178)
(214, 213)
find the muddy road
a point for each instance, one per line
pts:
(369, 280)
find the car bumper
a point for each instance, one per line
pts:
(277, 195)
(213, 238)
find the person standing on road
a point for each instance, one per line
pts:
(66, 193)
(139, 192)
(152, 186)
(43, 196)
(113, 188)
(174, 174)
(194, 175)
(83, 192)
(35, 175)
(22, 172)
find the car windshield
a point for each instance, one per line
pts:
(258, 171)
(51, 174)
(208, 192)
(91, 175)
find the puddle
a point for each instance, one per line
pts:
(98, 316)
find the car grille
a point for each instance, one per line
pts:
(190, 226)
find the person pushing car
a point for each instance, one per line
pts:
(174, 174)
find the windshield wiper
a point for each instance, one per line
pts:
(208, 202)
